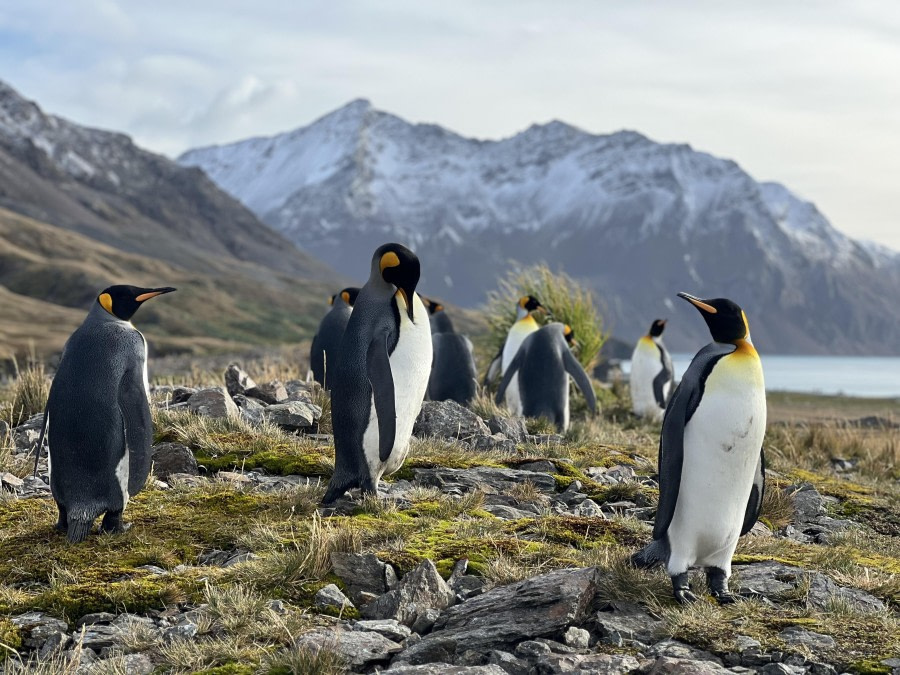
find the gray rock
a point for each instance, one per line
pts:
(679, 650)
(237, 381)
(425, 620)
(389, 628)
(183, 631)
(623, 624)
(781, 669)
(448, 420)
(445, 669)
(541, 466)
(488, 480)
(588, 509)
(586, 664)
(746, 643)
(213, 402)
(493, 443)
(181, 394)
(360, 649)
(505, 617)
(169, 458)
(808, 504)
(421, 590)
(794, 635)
(511, 427)
(53, 643)
(510, 664)
(507, 512)
(137, 664)
(363, 573)
(270, 392)
(98, 636)
(96, 617)
(293, 415)
(577, 638)
(10, 480)
(530, 649)
(331, 596)
(669, 665)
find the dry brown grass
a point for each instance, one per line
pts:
(29, 393)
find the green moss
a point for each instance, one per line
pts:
(577, 532)
(286, 460)
(870, 667)
(231, 669)
(10, 636)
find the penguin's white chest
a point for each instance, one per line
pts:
(722, 443)
(645, 366)
(410, 368)
(520, 330)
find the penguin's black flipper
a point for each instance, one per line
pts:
(40, 445)
(662, 377)
(653, 554)
(508, 376)
(493, 370)
(581, 378)
(135, 409)
(378, 367)
(754, 504)
(671, 441)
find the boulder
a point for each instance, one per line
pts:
(389, 628)
(669, 665)
(511, 427)
(293, 415)
(169, 458)
(360, 649)
(421, 590)
(212, 402)
(486, 479)
(794, 635)
(363, 573)
(270, 392)
(586, 664)
(237, 381)
(502, 618)
(331, 596)
(446, 669)
(623, 624)
(449, 420)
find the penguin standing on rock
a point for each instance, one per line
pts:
(379, 384)
(543, 364)
(652, 375)
(453, 376)
(711, 464)
(324, 350)
(97, 419)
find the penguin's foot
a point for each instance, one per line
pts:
(112, 523)
(718, 586)
(682, 589)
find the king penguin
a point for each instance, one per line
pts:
(524, 326)
(324, 350)
(382, 374)
(652, 375)
(543, 364)
(711, 463)
(453, 376)
(97, 419)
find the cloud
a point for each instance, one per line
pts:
(802, 93)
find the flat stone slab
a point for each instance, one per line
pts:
(486, 479)
(359, 648)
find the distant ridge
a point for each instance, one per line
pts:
(635, 219)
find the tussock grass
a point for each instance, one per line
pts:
(29, 394)
(620, 580)
(527, 492)
(305, 660)
(485, 406)
(777, 509)
(570, 303)
(194, 655)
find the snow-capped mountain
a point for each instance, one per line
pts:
(636, 219)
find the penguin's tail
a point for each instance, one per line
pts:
(78, 530)
(653, 554)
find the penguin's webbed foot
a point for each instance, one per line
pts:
(682, 589)
(718, 586)
(112, 523)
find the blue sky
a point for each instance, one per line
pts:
(802, 92)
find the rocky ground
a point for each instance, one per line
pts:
(497, 548)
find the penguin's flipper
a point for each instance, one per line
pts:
(508, 376)
(754, 504)
(135, 409)
(663, 377)
(378, 367)
(493, 371)
(40, 444)
(671, 441)
(581, 378)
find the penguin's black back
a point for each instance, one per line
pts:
(351, 392)
(325, 349)
(100, 365)
(453, 375)
(542, 376)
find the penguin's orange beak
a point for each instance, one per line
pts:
(698, 303)
(153, 293)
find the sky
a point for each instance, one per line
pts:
(803, 92)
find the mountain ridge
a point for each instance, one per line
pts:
(634, 219)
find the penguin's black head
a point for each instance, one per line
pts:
(569, 334)
(725, 319)
(657, 327)
(530, 303)
(348, 295)
(399, 266)
(123, 301)
(433, 307)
